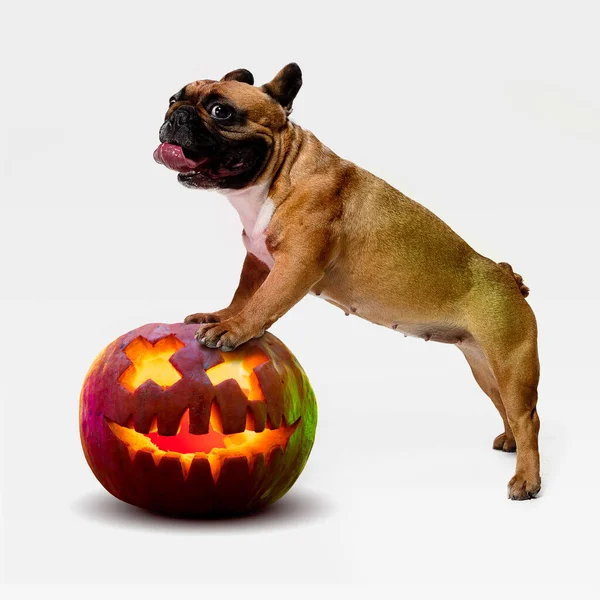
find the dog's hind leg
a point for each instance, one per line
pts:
(518, 373)
(504, 327)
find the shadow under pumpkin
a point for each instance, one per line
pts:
(175, 427)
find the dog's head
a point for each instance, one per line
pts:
(220, 134)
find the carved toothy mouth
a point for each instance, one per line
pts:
(213, 446)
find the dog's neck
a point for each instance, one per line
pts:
(252, 206)
(255, 209)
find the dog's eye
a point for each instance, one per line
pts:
(220, 111)
(172, 100)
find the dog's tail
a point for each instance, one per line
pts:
(518, 279)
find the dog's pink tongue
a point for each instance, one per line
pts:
(172, 157)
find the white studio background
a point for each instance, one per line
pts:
(487, 113)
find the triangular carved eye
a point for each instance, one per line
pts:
(151, 361)
(239, 365)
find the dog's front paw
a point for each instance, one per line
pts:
(521, 487)
(226, 335)
(202, 318)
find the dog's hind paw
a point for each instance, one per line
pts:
(522, 488)
(505, 444)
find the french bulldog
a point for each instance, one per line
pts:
(316, 223)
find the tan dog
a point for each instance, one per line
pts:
(314, 222)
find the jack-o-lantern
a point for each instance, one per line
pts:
(172, 426)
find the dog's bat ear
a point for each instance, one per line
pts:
(242, 75)
(285, 85)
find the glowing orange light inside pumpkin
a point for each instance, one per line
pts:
(151, 361)
(239, 365)
(185, 442)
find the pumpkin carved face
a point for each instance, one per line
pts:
(175, 427)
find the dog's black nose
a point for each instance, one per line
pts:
(184, 128)
(182, 115)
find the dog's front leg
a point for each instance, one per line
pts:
(254, 272)
(290, 279)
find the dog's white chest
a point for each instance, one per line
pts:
(255, 209)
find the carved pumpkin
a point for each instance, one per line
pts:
(175, 427)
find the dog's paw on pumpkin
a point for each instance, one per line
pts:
(226, 335)
(202, 318)
(505, 444)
